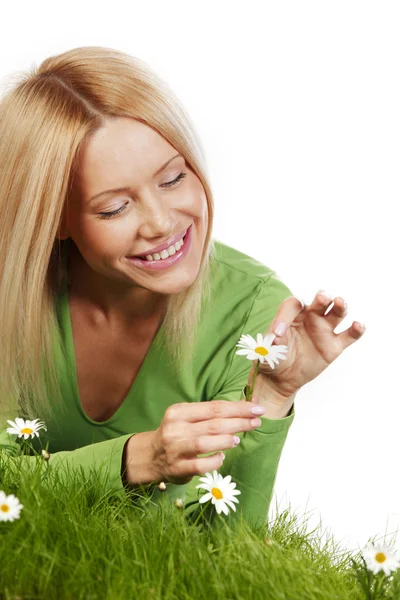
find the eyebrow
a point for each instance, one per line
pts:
(125, 189)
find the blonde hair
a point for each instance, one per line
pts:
(44, 121)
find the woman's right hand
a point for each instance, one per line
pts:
(192, 428)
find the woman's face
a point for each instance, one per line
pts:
(158, 203)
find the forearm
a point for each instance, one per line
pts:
(137, 460)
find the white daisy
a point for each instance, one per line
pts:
(381, 558)
(10, 507)
(220, 490)
(25, 428)
(262, 349)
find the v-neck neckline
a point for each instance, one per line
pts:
(70, 350)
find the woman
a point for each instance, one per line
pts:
(118, 348)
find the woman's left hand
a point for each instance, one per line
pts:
(312, 344)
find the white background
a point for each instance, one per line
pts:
(297, 106)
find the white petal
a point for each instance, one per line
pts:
(232, 506)
(269, 338)
(224, 508)
(243, 352)
(12, 430)
(204, 479)
(20, 422)
(218, 507)
(205, 497)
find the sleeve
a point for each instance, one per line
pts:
(253, 463)
(101, 459)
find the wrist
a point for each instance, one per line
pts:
(276, 406)
(277, 410)
(137, 463)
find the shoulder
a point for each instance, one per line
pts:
(235, 272)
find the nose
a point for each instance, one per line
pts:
(155, 218)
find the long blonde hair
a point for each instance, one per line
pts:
(45, 119)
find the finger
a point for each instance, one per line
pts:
(204, 444)
(321, 302)
(223, 426)
(352, 334)
(333, 309)
(199, 465)
(287, 312)
(193, 412)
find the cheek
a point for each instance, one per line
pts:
(199, 199)
(108, 237)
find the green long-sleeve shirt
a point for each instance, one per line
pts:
(245, 298)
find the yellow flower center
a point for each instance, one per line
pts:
(216, 492)
(26, 430)
(380, 557)
(4, 508)
(261, 350)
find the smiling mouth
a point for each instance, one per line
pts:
(143, 256)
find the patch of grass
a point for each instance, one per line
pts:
(76, 542)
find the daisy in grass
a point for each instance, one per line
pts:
(261, 350)
(26, 428)
(380, 558)
(220, 490)
(10, 507)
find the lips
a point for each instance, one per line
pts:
(164, 246)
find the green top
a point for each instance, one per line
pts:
(245, 298)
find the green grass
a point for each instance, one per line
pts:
(78, 542)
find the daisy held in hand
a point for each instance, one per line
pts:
(308, 333)
(260, 350)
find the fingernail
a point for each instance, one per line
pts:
(223, 457)
(258, 410)
(280, 328)
(236, 440)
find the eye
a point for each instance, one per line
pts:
(174, 181)
(109, 215)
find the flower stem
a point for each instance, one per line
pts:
(203, 510)
(254, 379)
(249, 390)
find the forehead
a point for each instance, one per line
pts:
(123, 144)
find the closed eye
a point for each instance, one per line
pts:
(109, 215)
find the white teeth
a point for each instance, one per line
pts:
(167, 252)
